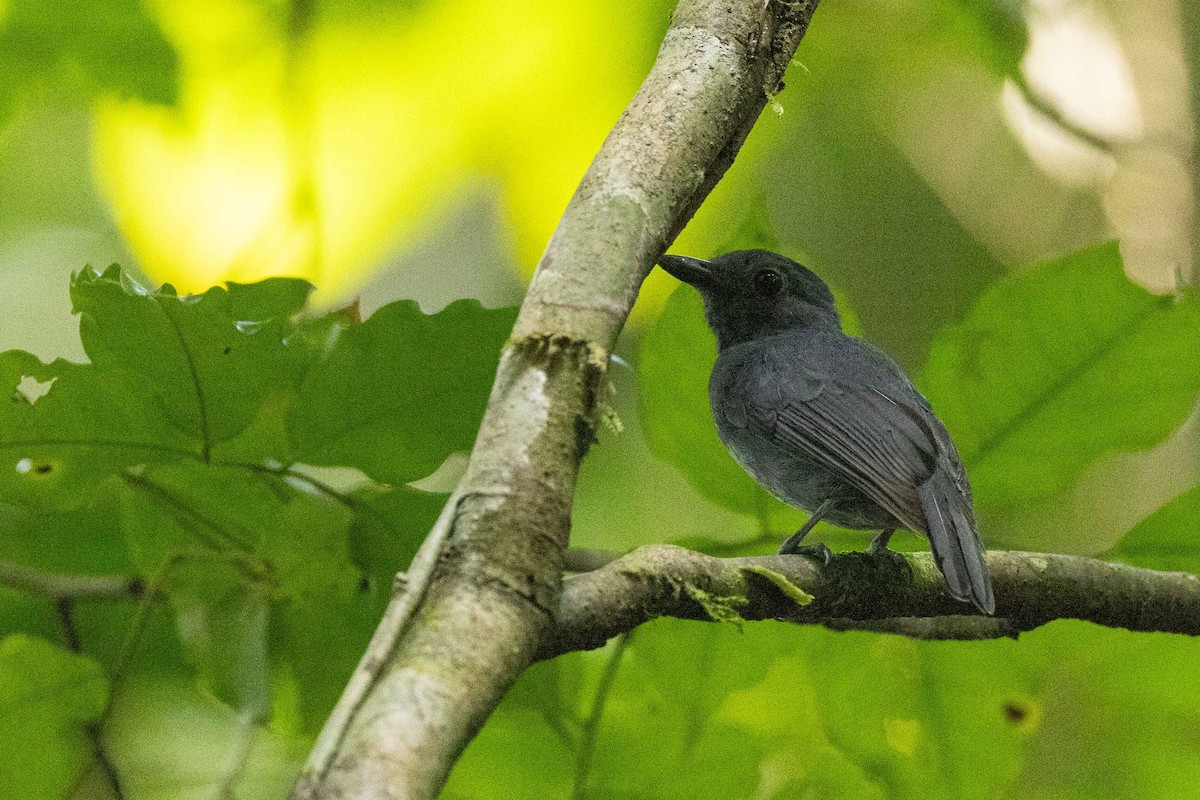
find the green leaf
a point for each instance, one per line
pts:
(223, 624)
(322, 640)
(1058, 366)
(168, 454)
(325, 614)
(171, 378)
(718, 762)
(171, 741)
(401, 392)
(922, 718)
(309, 551)
(210, 360)
(671, 690)
(47, 698)
(56, 448)
(693, 666)
(515, 750)
(192, 507)
(997, 30)
(528, 745)
(256, 566)
(114, 43)
(198, 530)
(1167, 539)
(554, 688)
(82, 541)
(389, 525)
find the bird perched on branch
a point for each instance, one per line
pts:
(828, 422)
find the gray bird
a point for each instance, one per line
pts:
(828, 422)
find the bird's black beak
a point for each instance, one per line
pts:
(689, 270)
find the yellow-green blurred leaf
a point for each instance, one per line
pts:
(1058, 366)
(316, 158)
(1168, 539)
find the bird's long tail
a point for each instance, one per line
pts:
(954, 539)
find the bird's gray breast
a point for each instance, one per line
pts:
(746, 395)
(751, 385)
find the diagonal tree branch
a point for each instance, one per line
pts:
(863, 591)
(484, 587)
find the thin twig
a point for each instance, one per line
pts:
(591, 725)
(554, 722)
(210, 533)
(66, 619)
(61, 586)
(65, 611)
(293, 473)
(1046, 108)
(248, 726)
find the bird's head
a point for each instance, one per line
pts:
(751, 294)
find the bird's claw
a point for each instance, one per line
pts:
(817, 552)
(883, 551)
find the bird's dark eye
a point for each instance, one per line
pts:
(767, 283)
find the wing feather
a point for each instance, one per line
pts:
(892, 449)
(840, 431)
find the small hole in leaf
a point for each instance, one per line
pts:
(1015, 713)
(43, 469)
(31, 389)
(227, 350)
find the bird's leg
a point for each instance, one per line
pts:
(818, 551)
(879, 547)
(880, 543)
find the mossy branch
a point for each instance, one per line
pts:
(864, 591)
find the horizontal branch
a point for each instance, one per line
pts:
(69, 587)
(905, 595)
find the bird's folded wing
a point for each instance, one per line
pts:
(870, 439)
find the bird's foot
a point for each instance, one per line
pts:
(879, 548)
(817, 552)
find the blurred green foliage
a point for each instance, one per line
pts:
(109, 45)
(1166, 539)
(1067, 361)
(47, 695)
(274, 578)
(331, 149)
(172, 456)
